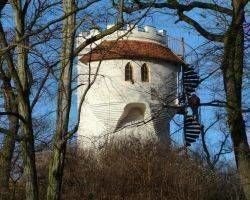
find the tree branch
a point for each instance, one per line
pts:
(8, 132)
(40, 89)
(14, 114)
(9, 59)
(98, 37)
(177, 6)
(217, 156)
(181, 8)
(39, 30)
(199, 28)
(26, 5)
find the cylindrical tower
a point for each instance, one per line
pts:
(132, 74)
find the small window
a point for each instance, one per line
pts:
(128, 72)
(144, 73)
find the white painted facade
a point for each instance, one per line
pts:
(114, 106)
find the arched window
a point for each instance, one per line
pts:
(144, 73)
(128, 72)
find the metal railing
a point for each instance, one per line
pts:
(183, 49)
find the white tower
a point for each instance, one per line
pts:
(134, 74)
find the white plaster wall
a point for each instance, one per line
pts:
(110, 93)
(105, 101)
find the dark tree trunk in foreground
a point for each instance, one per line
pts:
(10, 105)
(232, 68)
(64, 95)
(8, 147)
(64, 103)
(22, 80)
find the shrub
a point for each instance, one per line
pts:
(133, 169)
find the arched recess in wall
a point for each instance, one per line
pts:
(144, 73)
(133, 112)
(128, 72)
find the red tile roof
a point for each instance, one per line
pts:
(130, 49)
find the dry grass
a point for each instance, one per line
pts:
(135, 170)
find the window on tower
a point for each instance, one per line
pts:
(128, 72)
(144, 73)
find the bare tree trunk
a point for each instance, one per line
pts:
(27, 142)
(10, 105)
(5, 162)
(6, 152)
(63, 104)
(232, 67)
(28, 154)
(64, 98)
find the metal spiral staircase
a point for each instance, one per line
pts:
(188, 83)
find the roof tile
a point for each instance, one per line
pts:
(130, 49)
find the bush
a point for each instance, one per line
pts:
(133, 169)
